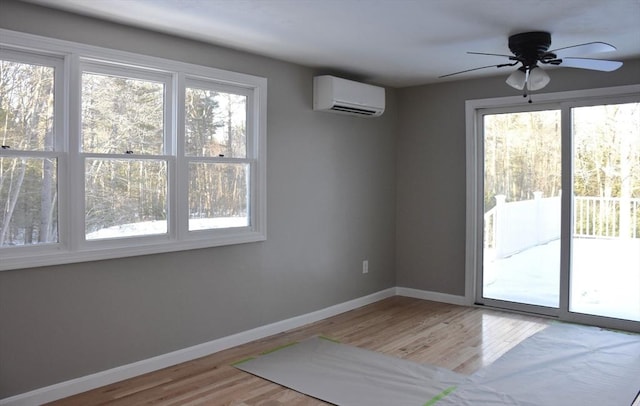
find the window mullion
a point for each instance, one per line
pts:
(180, 182)
(74, 236)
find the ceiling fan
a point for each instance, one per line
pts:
(530, 49)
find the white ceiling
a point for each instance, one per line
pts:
(390, 42)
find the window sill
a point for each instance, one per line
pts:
(39, 256)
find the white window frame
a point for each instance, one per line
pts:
(71, 59)
(59, 147)
(167, 155)
(251, 150)
(563, 101)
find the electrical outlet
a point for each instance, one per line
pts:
(365, 266)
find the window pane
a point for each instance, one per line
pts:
(522, 179)
(605, 266)
(122, 114)
(215, 124)
(125, 198)
(218, 195)
(28, 192)
(26, 106)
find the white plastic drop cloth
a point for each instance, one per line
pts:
(563, 365)
(346, 375)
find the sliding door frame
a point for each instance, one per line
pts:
(480, 114)
(564, 101)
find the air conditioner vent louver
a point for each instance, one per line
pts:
(343, 96)
(354, 110)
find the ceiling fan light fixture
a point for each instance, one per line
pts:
(538, 78)
(518, 78)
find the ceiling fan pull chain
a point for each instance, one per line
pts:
(525, 94)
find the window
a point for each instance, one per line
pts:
(216, 152)
(123, 149)
(29, 157)
(553, 202)
(107, 154)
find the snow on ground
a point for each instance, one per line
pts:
(160, 227)
(605, 277)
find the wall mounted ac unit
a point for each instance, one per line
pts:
(347, 97)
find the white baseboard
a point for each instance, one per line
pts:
(85, 383)
(433, 296)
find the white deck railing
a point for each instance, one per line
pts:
(511, 227)
(606, 217)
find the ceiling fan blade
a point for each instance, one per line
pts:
(482, 67)
(484, 53)
(583, 49)
(593, 64)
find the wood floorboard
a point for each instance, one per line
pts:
(462, 339)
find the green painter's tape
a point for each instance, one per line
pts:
(440, 395)
(241, 361)
(279, 348)
(264, 353)
(333, 340)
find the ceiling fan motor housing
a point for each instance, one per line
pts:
(531, 47)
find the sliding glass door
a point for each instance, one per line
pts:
(605, 270)
(521, 218)
(558, 209)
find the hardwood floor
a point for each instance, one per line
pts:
(462, 339)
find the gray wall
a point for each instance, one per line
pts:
(331, 204)
(431, 180)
